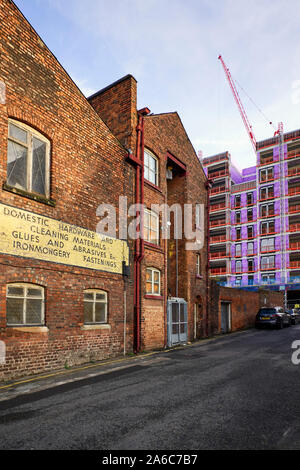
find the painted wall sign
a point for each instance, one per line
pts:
(30, 235)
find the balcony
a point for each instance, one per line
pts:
(293, 154)
(218, 190)
(218, 207)
(266, 160)
(294, 228)
(294, 209)
(218, 239)
(217, 223)
(294, 265)
(218, 174)
(294, 246)
(218, 255)
(294, 191)
(294, 171)
(218, 271)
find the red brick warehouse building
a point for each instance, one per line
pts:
(61, 286)
(64, 295)
(171, 284)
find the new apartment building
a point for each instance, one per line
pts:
(255, 217)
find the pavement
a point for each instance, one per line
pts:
(237, 391)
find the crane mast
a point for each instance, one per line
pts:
(239, 104)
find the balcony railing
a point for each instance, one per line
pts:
(265, 161)
(217, 223)
(218, 255)
(293, 154)
(294, 191)
(294, 171)
(294, 264)
(267, 249)
(294, 246)
(216, 207)
(219, 189)
(294, 228)
(268, 267)
(218, 174)
(221, 270)
(218, 239)
(295, 208)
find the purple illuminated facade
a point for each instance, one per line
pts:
(255, 216)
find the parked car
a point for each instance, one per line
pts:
(295, 315)
(272, 317)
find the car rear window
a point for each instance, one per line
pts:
(267, 311)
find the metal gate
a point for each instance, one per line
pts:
(225, 317)
(177, 321)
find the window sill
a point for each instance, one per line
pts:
(95, 327)
(152, 246)
(154, 297)
(32, 196)
(153, 186)
(30, 329)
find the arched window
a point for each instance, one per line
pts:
(95, 306)
(150, 167)
(152, 281)
(28, 159)
(24, 305)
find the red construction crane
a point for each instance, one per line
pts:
(239, 103)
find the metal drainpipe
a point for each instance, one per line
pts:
(208, 186)
(137, 245)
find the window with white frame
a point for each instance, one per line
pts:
(151, 227)
(238, 249)
(28, 159)
(238, 281)
(267, 244)
(266, 192)
(267, 210)
(152, 281)
(95, 306)
(24, 305)
(238, 267)
(198, 264)
(267, 227)
(266, 174)
(150, 167)
(250, 248)
(267, 262)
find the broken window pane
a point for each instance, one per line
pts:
(38, 166)
(17, 165)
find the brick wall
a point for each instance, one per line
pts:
(87, 168)
(244, 305)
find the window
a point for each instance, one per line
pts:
(95, 306)
(237, 201)
(249, 198)
(152, 281)
(267, 192)
(238, 250)
(27, 159)
(238, 267)
(267, 210)
(268, 278)
(151, 227)
(267, 244)
(250, 248)
(250, 280)
(267, 227)
(238, 217)
(267, 262)
(150, 167)
(249, 215)
(198, 265)
(250, 265)
(250, 231)
(266, 174)
(24, 305)
(238, 234)
(238, 281)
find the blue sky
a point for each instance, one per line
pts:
(172, 48)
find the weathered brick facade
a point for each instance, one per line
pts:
(244, 305)
(88, 167)
(164, 136)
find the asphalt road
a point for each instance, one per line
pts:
(238, 392)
